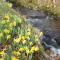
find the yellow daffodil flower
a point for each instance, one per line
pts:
(41, 34)
(10, 25)
(17, 40)
(16, 53)
(28, 30)
(28, 33)
(27, 37)
(7, 31)
(36, 38)
(27, 50)
(24, 41)
(7, 17)
(19, 20)
(3, 22)
(20, 37)
(9, 5)
(21, 49)
(1, 34)
(14, 58)
(14, 23)
(23, 38)
(8, 37)
(33, 48)
(30, 43)
(7, 21)
(2, 53)
(1, 58)
(36, 48)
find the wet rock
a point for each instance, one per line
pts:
(57, 39)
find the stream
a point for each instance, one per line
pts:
(41, 21)
(45, 24)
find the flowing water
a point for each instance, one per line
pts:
(42, 21)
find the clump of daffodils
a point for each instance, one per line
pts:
(21, 39)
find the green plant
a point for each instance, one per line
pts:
(18, 38)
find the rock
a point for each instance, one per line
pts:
(57, 39)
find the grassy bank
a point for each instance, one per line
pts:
(18, 39)
(48, 8)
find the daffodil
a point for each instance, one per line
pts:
(21, 49)
(7, 17)
(1, 34)
(14, 58)
(10, 25)
(20, 37)
(24, 41)
(1, 58)
(28, 30)
(23, 38)
(41, 34)
(3, 22)
(8, 37)
(16, 53)
(14, 23)
(17, 40)
(7, 31)
(36, 48)
(30, 43)
(19, 20)
(33, 48)
(7, 21)
(9, 5)
(28, 33)
(27, 50)
(2, 53)
(36, 38)
(27, 37)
